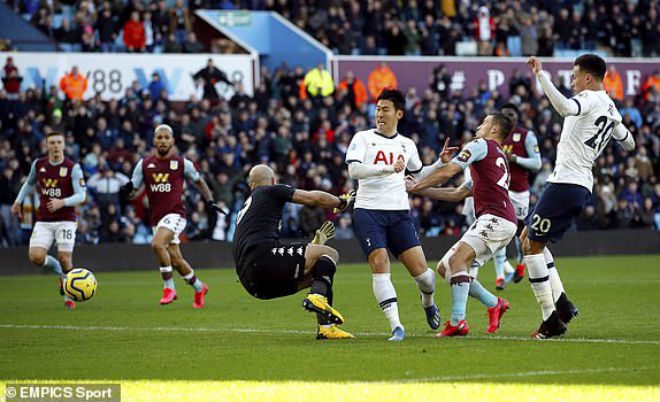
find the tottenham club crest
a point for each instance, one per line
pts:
(63, 171)
(174, 165)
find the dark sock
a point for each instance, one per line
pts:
(319, 318)
(323, 274)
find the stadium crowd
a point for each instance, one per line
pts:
(367, 27)
(305, 138)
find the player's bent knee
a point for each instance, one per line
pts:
(37, 259)
(535, 247)
(455, 262)
(442, 269)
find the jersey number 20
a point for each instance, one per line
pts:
(599, 140)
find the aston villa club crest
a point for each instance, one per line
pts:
(516, 137)
(174, 165)
(63, 171)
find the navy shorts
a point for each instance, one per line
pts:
(393, 230)
(555, 212)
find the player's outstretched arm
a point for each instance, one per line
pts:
(450, 194)
(318, 198)
(357, 170)
(563, 106)
(438, 176)
(443, 159)
(624, 138)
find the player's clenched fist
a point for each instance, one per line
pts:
(535, 64)
(399, 166)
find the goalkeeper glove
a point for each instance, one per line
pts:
(324, 233)
(345, 202)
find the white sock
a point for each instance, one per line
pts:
(539, 279)
(508, 268)
(473, 269)
(167, 283)
(426, 284)
(555, 281)
(499, 258)
(193, 281)
(386, 297)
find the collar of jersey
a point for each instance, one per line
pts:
(384, 136)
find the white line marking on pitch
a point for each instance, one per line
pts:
(520, 374)
(297, 332)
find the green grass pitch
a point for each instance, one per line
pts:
(241, 348)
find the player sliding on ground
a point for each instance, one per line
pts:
(495, 225)
(269, 267)
(377, 159)
(590, 120)
(61, 187)
(163, 174)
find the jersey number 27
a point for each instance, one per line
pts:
(504, 180)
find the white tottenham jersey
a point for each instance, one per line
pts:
(388, 192)
(584, 137)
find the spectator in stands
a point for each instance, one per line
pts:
(612, 83)
(88, 39)
(380, 78)
(191, 45)
(152, 36)
(134, 34)
(369, 48)
(209, 76)
(317, 82)
(651, 88)
(73, 84)
(180, 24)
(355, 90)
(105, 185)
(11, 79)
(172, 45)
(484, 31)
(529, 36)
(156, 86)
(105, 26)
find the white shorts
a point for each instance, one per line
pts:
(520, 203)
(488, 234)
(175, 223)
(62, 232)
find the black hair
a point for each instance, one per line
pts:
(394, 96)
(592, 64)
(511, 105)
(504, 123)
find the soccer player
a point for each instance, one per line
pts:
(377, 159)
(590, 120)
(522, 150)
(163, 174)
(61, 187)
(496, 222)
(269, 267)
